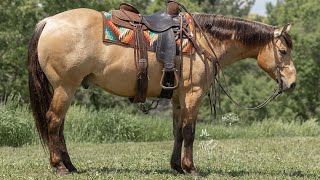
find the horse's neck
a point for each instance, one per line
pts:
(231, 51)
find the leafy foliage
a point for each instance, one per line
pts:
(17, 21)
(238, 8)
(305, 15)
(16, 126)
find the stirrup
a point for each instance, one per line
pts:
(176, 79)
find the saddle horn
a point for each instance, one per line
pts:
(173, 8)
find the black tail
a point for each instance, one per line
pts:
(39, 86)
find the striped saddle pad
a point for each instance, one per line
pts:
(124, 36)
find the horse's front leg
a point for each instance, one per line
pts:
(189, 111)
(177, 132)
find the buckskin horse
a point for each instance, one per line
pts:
(67, 49)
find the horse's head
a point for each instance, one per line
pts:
(276, 59)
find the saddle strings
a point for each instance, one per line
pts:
(215, 61)
(181, 45)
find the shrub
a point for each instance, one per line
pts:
(116, 125)
(16, 125)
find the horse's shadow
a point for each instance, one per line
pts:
(206, 173)
(107, 170)
(241, 173)
(202, 172)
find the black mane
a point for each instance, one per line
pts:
(249, 33)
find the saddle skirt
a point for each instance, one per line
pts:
(117, 34)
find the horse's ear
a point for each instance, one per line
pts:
(288, 27)
(279, 31)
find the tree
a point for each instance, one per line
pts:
(17, 22)
(305, 14)
(238, 8)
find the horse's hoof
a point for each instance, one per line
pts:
(190, 171)
(63, 172)
(71, 168)
(177, 168)
(194, 173)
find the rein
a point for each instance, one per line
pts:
(213, 98)
(276, 92)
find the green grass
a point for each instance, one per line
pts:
(261, 158)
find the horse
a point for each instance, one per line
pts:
(67, 49)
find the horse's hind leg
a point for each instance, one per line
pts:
(59, 158)
(64, 151)
(177, 132)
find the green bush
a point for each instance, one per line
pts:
(112, 125)
(16, 125)
(82, 125)
(117, 125)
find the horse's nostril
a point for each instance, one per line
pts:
(293, 85)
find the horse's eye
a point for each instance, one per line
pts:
(283, 52)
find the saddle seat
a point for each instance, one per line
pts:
(158, 22)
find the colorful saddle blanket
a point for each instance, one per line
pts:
(124, 36)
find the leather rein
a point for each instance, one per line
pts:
(277, 90)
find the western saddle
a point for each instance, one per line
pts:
(168, 23)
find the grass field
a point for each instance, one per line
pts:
(262, 158)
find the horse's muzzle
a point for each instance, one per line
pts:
(289, 88)
(292, 87)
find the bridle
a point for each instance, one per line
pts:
(275, 93)
(277, 90)
(278, 63)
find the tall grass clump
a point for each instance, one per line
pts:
(16, 124)
(263, 129)
(114, 125)
(84, 124)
